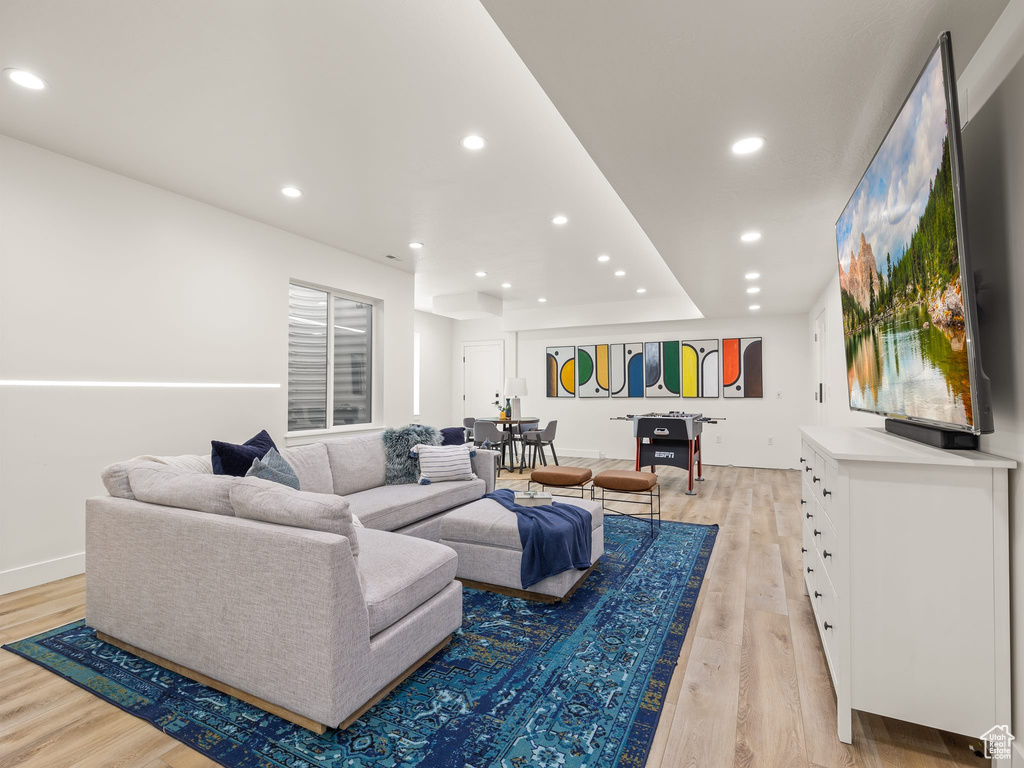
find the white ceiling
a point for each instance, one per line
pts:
(657, 91)
(362, 106)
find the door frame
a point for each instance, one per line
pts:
(501, 377)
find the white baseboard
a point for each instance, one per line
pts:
(40, 573)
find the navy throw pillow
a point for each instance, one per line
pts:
(231, 459)
(453, 436)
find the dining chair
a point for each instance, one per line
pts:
(538, 438)
(519, 432)
(490, 435)
(467, 424)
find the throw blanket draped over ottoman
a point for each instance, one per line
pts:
(555, 537)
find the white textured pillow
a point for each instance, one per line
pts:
(444, 463)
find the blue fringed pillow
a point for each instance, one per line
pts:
(231, 459)
(444, 463)
(273, 467)
(453, 436)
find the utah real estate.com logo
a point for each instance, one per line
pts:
(997, 742)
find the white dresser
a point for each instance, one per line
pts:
(907, 564)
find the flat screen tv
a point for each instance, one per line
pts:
(908, 302)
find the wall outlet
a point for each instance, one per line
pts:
(770, 441)
(718, 438)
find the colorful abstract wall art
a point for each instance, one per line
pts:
(592, 370)
(661, 368)
(699, 362)
(561, 371)
(741, 368)
(627, 369)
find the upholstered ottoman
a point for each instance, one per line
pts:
(560, 477)
(486, 537)
(630, 483)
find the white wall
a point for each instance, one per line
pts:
(105, 278)
(994, 170)
(435, 370)
(584, 428)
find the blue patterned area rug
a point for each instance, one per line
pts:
(522, 684)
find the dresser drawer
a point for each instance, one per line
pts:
(827, 493)
(826, 615)
(826, 543)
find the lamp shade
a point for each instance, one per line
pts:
(515, 388)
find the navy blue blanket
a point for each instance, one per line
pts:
(555, 537)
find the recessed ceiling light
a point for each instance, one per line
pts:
(415, 246)
(755, 306)
(291, 191)
(753, 289)
(560, 220)
(641, 290)
(750, 237)
(473, 142)
(25, 79)
(541, 300)
(752, 275)
(481, 274)
(747, 145)
(603, 258)
(506, 285)
(620, 273)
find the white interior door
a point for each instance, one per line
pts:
(821, 366)
(483, 375)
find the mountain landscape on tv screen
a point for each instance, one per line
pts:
(899, 271)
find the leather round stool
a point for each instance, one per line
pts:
(629, 482)
(561, 477)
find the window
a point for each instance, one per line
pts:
(330, 359)
(415, 374)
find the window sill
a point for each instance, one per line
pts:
(305, 436)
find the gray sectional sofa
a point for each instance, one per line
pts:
(314, 624)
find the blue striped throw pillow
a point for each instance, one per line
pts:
(444, 463)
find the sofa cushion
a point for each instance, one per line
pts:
(188, 462)
(273, 467)
(174, 487)
(256, 499)
(356, 463)
(400, 573)
(487, 522)
(390, 507)
(311, 465)
(453, 436)
(232, 459)
(115, 476)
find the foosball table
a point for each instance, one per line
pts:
(670, 439)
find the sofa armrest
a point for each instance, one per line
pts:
(485, 466)
(272, 610)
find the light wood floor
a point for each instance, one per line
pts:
(751, 688)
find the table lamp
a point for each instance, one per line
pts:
(515, 388)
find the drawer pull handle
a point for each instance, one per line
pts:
(809, 515)
(803, 460)
(829, 626)
(817, 532)
(807, 469)
(825, 493)
(817, 593)
(826, 553)
(809, 569)
(803, 501)
(803, 550)
(815, 479)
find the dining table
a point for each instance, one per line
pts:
(507, 425)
